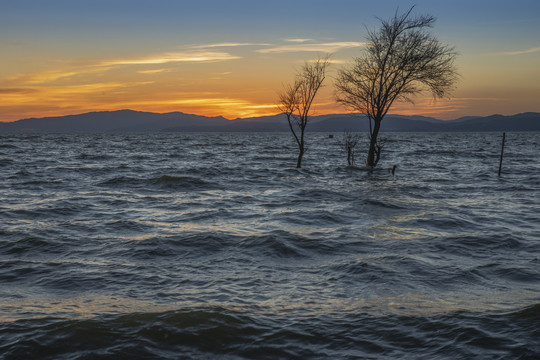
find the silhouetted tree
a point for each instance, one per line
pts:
(349, 142)
(295, 100)
(401, 60)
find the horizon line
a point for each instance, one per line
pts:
(253, 117)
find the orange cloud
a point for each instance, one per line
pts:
(50, 76)
(230, 108)
(207, 56)
(40, 77)
(156, 71)
(16, 91)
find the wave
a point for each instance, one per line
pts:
(511, 273)
(479, 245)
(217, 332)
(385, 204)
(405, 272)
(272, 244)
(197, 245)
(185, 183)
(85, 156)
(15, 244)
(180, 181)
(5, 162)
(305, 217)
(124, 225)
(278, 244)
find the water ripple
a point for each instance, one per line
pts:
(170, 245)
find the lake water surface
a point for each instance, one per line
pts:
(203, 246)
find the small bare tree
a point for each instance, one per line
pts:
(295, 100)
(401, 60)
(349, 142)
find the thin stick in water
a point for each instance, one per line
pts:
(502, 152)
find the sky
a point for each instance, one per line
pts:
(231, 57)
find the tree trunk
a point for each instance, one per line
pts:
(371, 161)
(300, 153)
(300, 148)
(299, 162)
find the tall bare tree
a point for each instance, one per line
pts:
(402, 59)
(295, 100)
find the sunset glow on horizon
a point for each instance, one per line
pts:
(230, 59)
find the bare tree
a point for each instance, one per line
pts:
(349, 142)
(295, 100)
(401, 60)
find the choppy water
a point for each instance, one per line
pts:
(203, 246)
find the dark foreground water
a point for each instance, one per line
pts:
(203, 246)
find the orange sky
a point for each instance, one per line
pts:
(59, 60)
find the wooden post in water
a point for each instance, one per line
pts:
(502, 152)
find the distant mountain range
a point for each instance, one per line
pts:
(137, 121)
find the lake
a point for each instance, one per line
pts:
(213, 245)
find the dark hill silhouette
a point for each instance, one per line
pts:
(137, 121)
(115, 121)
(519, 122)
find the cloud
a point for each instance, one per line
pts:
(331, 61)
(322, 47)
(221, 75)
(27, 101)
(206, 56)
(41, 77)
(297, 40)
(11, 91)
(84, 67)
(68, 91)
(49, 76)
(212, 106)
(227, 44)
(156, 71)
(477, 99)
(208, 102)
(521, 52)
